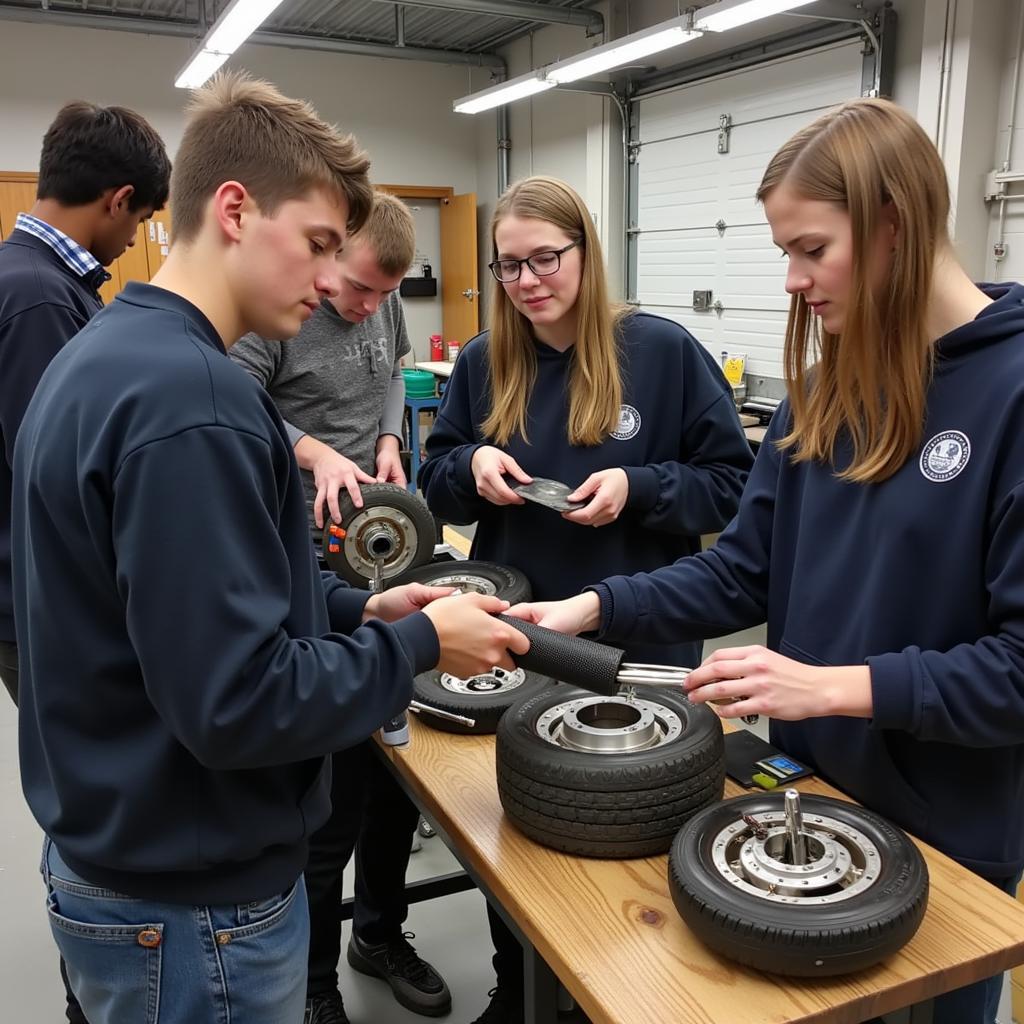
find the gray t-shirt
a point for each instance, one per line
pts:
(336, 381)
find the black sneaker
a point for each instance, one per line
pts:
(417, 986)
(505, 1007)
(325, 1009)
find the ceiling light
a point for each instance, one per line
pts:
(505, 92)
(238, 21)
(730, 13)
(202, 64)
(622, 51)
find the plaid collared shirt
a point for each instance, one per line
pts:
(79, 260)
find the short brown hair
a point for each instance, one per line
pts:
(90, 149)
(390, 233)
(242, 129)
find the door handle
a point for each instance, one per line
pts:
(470, 293)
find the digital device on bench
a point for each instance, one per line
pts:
(747, 756)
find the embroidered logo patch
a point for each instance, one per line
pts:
(629, 424)
(945, 456)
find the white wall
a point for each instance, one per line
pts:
(559, 133)
(400, 110)
(423, 314)
(1012, 267)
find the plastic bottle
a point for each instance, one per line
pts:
(453, 351)
(436, 348)
(395, 731)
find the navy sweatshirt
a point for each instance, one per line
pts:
(921, 577)
(43, 303)
(679, 441)
(180, 680)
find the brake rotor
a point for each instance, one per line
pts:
(381, 533)
(754, 855)
(498, 680)
(609, 725)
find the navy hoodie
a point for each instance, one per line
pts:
(678, 439)
(921, 577)
(43, 303)
(180, 680)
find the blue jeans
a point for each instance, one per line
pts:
(139, 961)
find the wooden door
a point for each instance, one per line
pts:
(17, 195)
(460, 286)
(158, 239)
(139, 263)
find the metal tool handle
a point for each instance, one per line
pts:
(572, 659)
(449, 716)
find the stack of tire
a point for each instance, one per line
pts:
(607, 804)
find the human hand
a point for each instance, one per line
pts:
(331, 473)
(740, 681)
(489, 466)
(389, 461)
(605, 493)
(472, 640)
(394, 604)
(579, 614)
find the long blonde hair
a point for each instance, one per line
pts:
(870, 381)
(595, 382)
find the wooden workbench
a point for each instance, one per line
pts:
(609, 930)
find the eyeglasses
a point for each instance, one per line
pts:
(542, 264)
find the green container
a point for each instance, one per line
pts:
(419, 383)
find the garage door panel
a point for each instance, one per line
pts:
(686, 187)
(781, 89)
(754, 336)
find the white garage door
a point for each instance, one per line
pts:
(686, 187)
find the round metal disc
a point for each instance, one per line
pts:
(841, 860)
(609, 725)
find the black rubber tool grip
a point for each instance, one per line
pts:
(571, 659)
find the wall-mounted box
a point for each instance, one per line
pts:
(418, 287)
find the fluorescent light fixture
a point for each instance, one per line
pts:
(238, 21)
(730, 13)
(199, 68)
(504, 92)
(622, 51)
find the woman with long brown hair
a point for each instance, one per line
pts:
(626, 408)
(881, 533)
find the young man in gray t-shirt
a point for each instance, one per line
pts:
(338, 386)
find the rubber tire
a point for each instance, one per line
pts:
(510, 584)
(486, 708)
(809, 941)
(607, 805)
(374, 496)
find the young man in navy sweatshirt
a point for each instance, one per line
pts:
(185, 667)
(103, 170)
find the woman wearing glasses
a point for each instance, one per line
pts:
(626, 408)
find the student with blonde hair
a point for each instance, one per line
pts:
(627, 409)
(176, 713)
(881, 531)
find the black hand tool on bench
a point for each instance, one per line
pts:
(588, 664)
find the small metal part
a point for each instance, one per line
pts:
(632, 673)
(724, 128)
(794, 828)
(758, 830)
(426, 709)
(378, 575)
